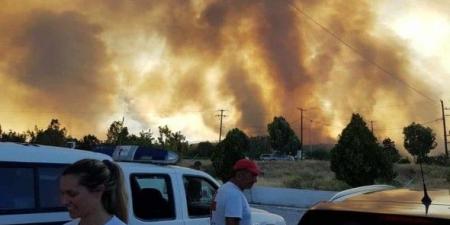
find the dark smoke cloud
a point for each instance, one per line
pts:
(65, 64)
(281, 44)
(266, 57)
(247, 98)
(303, 63)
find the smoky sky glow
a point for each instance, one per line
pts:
(176, 63)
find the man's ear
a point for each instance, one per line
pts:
(240, 174)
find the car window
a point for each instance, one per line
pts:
(199, 195)
(17, 188)
(152, 196)
(19, 191)
(49, 187)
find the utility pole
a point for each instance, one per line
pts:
(445, 129)
(310, 136)
(221, 117)
(371, 125)
(301, 131)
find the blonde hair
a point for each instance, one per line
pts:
(92, 173)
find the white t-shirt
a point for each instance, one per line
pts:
(113, 221)
(230, 202)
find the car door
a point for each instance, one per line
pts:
(199, 193)
(154, 199)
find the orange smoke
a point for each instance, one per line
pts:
(90, 62)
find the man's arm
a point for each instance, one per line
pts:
(232, 221)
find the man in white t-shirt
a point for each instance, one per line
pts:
(230, 206)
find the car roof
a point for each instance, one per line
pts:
(33, 153)
(140, 167)
(395, 201)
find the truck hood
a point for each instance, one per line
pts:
(263, 217)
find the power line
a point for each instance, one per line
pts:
(357, 52)
(400, 128)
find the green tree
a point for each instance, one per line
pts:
(257, 146)
(53, 135)
(164, 135)
(145, 139)
(173, 141)
(177, 142)
(13, 136)
(282, 137)
(390, 149)
(419, 140)
(117, 133)
(203, 149)
(32, 134)
(357, 158)
(88, 142)
(228, 151)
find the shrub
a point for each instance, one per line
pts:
(448, 176)
(318, 154)
(404, 161)
(357, 158)
(440, 160)
(390, 149)
(230, 150)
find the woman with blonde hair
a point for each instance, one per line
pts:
(93, 191)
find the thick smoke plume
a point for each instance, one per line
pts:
(149, 60)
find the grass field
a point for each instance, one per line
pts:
(315, 174)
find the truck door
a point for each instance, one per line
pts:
(154, 200)
(199, 193)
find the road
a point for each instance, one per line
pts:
(291, 215)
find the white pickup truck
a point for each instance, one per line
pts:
(158, 194)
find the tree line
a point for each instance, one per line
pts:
(357, 158)
(117, 134)
(281, 137)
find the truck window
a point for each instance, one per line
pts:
(49, 187)
(29, 188)
(152, 196)
(17, 188)
(199, 195)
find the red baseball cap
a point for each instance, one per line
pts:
(246, 164)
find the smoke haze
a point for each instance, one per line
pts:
(88, 63)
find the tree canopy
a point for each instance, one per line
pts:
(257, 146)
(357, 158)
(53, 135)
(117, 133)
(419, 140)
(228, 151)
(390, 149)
(145, 139)
(12, 136)
(202, 150)
(175, 141)
(88, 142)
(282, 137)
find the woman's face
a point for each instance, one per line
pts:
(77, 198)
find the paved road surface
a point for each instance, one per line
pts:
(291, 215)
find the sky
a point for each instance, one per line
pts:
(176, 63)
